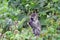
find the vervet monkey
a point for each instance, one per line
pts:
(35, 24)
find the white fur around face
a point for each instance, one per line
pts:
(35, 22)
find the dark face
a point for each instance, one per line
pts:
(32, 19)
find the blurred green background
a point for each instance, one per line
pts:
(14, 18)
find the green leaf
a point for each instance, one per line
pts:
(55, 0)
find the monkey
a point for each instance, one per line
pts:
(35, 24)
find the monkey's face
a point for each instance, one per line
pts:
(34, 17)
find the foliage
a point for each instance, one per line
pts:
(14, 18)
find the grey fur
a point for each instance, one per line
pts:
(35, 24)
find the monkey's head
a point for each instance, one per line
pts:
(34, 17)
